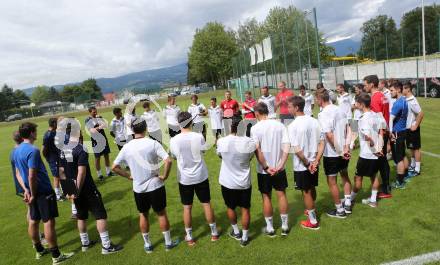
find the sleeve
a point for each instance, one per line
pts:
(292, 136)
(285, 136)
(326, 124)
(415, 107)
(34, 159)
(204, 146)
(83, 158)
(112, 126)
(364, 127)
(160, 151)
(89, 125)
(173, 147)
(221, 106)
(45, 140)
(120, 158)
(396, 109)
(254, 136)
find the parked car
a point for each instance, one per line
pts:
(14, 117)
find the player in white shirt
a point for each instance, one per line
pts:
(357, 113)
(144, 156)
(336, 132)
(192, 174)
(308, 99)
(215, 117)
(371, 142)
(236, 153)
(197, 111)
(170, 113)
(305, 139)
(272, 152)
(344, 101)
(414, 119)
(153, 124)
(117, 128)
(269, 100)
(383, 86)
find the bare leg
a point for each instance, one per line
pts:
(98, 163)
(101, 225)
(49, 233)
(82, 226)
(245, 218)
(357, 184)
(232, 216)
(309, 201)
(209, 212)
(107, 160)
(144, 225)
(33, 231)
(187, 218)
(164, 224)
(282, 202)
(334, 189)
(346, 182)
(267, 205)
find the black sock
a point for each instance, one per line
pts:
(400, 178)
(55, 252)
(38, 247)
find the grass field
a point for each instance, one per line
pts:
(401, 227)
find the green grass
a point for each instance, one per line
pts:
(401, 227)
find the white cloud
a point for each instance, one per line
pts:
(55, 42)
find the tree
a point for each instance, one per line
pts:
(91, 87)
(40, 95)
(210, 54)
(53, 94)
(412, 32)
(6, 97)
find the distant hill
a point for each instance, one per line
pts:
(344, 47)
(154, 78)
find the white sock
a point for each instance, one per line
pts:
(58, 192)
(353, 196)
(98, 173)
(413, 162)
(269, 223)
(188, 233)
(373, 197)
(84, 238)
(146, 238)
(339, 208)
(347, 200)
(235, 228)
(284, 221)
(312, 216)
(245, 235)
(105, 239)
(167, 237)
(74, 211)
(418, 166)
(107, 170)
(213, 227)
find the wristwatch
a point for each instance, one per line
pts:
(265, 168)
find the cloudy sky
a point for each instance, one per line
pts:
(55, 42)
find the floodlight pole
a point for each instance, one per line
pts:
(318, 56)
(424, 47)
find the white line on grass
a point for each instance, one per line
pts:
(430, 154)
(417, 260)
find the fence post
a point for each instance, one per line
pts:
(384, 71)
(284, 55)
(299, 53)
(417, 70)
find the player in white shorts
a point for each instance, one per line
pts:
(269, 100)
(308, 99)
(192, 174)
(215, 117)
(272, 152)
(305, 138)
(336, 132)
(153, 125)
(236, 153)
(371, 131)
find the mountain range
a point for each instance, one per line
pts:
(345, 47)
(151, 79)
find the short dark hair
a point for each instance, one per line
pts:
(235, 123)
(146, 104)
(228, 91)
(261, 108)
(372, 79)
(341, 85)
(139, 125)
(248, 93)
(319, 86)
(116, 110)
(26, 129)
(301, 87)
(384, 82)
(185, 119)
(53, 122)
(364, 99)
(407, 85)
(297, 101)
(92, 108)
(170, 97)
(323, 95)
(397, 85)
(194, 96)
(16, 137)
(214, 99)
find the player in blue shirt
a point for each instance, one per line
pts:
(38, 193)
(398, 117)
(51, 153)
(18, 140)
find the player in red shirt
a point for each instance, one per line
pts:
(379, 104)
(248, 111)
(281, 103)
(229, 108)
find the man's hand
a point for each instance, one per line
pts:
(27, 197)
(71, 197)
(392, 137)
(272, 171)
(93, 130)
(162, 178)
(413, 128)
(130, 178)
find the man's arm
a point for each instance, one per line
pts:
(80, 178)
(418, 121)
(284, 156)
(167, 168)
(121, 172)
(20, 180)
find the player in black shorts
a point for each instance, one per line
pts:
(74, 166)
(95, 125)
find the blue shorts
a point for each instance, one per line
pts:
(53, 165)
